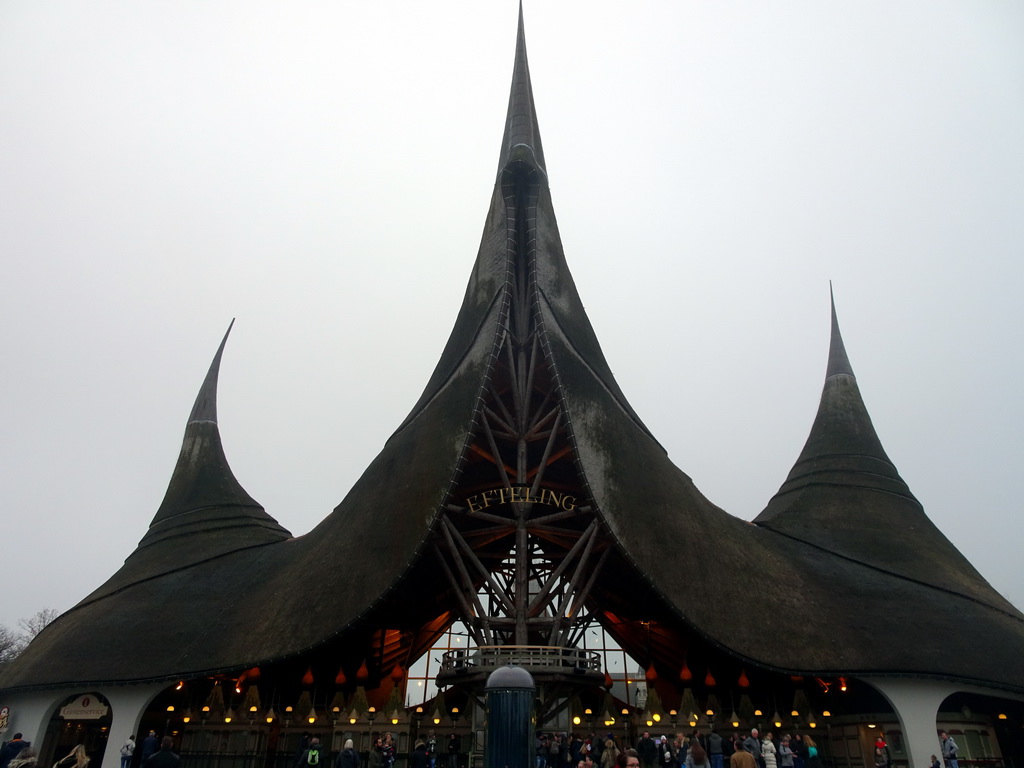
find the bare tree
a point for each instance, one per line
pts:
(11, 644)
(35, 623)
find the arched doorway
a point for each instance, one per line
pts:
(84, 719)
(988, 730)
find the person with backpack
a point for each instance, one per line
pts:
(949, 750)
(127, 750)
(312, 755)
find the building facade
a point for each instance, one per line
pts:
(520, 514)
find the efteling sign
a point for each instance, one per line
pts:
(520, 494)
(87, 707)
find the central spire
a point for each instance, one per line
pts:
(522, 134)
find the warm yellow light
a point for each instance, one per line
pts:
(813, 725)
(657, 717)
(288, 710)
(871, 725)
(437, 720)
(311, 718)
(735, 723)
(778, 723)
(693, 723)
(394, 721)
(1002, 715)
(371, 710)
(757, 712)
(238, 689)
(455, 710)
(673, 712)
(419, 710)
(710, 713)
(625, 711)
(180, 685)
(576, 720)
(794, 713)
(352, 720)
(170, 708)
(206, 709)
(252, 708)
(826, 713)
(335, 710)
(270, 719)
(650, 723)
(185, 719)
(588, 712)
(227, 718)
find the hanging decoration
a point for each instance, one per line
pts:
(252, 699)
(305, 704)
(215, 701)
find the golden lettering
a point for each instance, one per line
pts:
(520, 494)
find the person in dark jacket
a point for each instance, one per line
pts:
(647, 750)
(150, 745)
(348, 757)
(164, 758)
(420, 757)
(454, 747)
(11, 749)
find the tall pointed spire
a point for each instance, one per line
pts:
(846, 496)
(522, 134)
(205, 512)
(203, 494)
(843, 446)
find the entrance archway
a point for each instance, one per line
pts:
(84, 719)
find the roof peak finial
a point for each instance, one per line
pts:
(205, 407)
(838, 362)
(522, 133)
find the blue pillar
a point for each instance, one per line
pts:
(510, 719)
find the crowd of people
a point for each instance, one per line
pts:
(426, 753)
(553, 750)
(696, 750)
(18, 753)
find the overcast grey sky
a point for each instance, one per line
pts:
(321, 171)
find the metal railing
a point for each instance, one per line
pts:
(530, 657)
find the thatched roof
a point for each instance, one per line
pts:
(843, 556)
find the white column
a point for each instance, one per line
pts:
(127, 704)
(916, 703)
